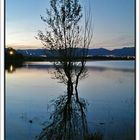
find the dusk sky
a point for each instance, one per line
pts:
(113, 22)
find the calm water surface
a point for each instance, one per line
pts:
(109, 90)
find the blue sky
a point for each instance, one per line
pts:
(113, 23)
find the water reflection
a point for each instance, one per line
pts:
(64, 104)
(11, 67)
(43, 67)
(68, 120)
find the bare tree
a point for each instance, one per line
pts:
(65, 34)
(63, 28)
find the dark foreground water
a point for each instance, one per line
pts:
(108, 89)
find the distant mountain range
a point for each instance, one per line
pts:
(127, 51)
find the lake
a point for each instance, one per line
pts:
(108, 89)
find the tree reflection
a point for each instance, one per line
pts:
(68, 120)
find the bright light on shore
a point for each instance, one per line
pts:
(11, 52)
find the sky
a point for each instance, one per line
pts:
(113, 23)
